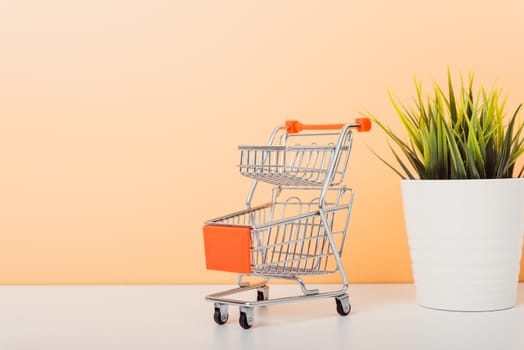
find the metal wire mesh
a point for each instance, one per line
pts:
(288, 237)
(292, 165)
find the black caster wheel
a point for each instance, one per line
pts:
(343, 305)
(246, 319)
(219, 316)
(263, 293)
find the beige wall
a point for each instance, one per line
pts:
(120, 119)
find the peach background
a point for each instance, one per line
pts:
(120, 120)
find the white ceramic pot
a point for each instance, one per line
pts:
(465, 239)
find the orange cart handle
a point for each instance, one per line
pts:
(293, 126)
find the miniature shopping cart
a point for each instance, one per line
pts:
(300, 231)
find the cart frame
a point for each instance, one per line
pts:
(312, 169)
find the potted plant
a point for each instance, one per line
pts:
(462, 193)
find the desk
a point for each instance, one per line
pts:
(178, 318)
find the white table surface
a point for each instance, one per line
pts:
(178, 317)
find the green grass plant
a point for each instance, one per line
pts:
(461, 134)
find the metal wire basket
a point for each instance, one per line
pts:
(288, 238)
(293, 165)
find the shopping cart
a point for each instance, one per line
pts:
(302, 229)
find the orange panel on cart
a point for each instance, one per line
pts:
(227, 248)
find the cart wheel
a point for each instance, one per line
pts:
(246, 319)
(220, 316)
(343, 305)
(263, 293)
